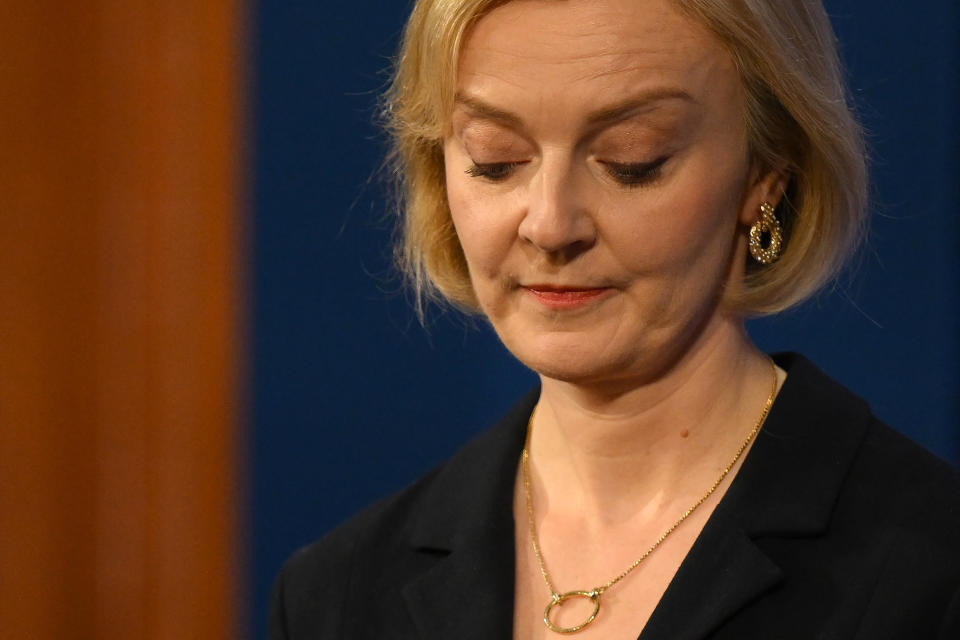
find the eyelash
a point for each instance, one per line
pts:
(637, 174)
(495, 171)
(629, 175)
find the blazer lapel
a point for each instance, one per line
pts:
(724, 573)
(468, 594)
(467, 522)
(787, 487)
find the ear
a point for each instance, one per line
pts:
(768, 186)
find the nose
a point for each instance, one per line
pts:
(557, 221)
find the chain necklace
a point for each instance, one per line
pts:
(594, 594)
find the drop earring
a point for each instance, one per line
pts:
(767, 223)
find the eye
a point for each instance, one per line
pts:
(495, 171)
(635, 174)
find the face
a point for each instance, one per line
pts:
(599, 181)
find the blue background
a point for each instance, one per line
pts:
(352, 399)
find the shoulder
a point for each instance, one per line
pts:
(398, 537)
(861, 521)
(310, 593)
(911, 491)
(891, 467)
(433, 504)
(904, 503)
(881, 468)
(896, 515)
(380, 528)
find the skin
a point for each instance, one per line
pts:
(600, 183)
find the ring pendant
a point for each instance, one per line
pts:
(560, 598)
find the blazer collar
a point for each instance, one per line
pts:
(466, 519)
(787, 487)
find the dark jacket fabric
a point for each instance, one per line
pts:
(836, 527)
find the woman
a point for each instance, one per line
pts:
(615, 185)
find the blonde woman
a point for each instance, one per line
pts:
(615, 185)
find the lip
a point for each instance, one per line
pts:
(565, 297)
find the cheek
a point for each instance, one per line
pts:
(482, 222)
(674, 237)
(688, 226)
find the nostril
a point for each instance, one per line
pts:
(562, 253)
(556, 220)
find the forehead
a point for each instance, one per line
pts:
(588, 53)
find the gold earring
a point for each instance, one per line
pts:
(767, 223)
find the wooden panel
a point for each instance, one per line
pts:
(119, 306)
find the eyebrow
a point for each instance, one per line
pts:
(605, 116)
(488, 111)
(637, 104)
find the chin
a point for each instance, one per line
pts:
(571, 357)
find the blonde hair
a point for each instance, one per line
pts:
(798, 118)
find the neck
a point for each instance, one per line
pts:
(615, 452)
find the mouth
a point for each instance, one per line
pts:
(565, 297)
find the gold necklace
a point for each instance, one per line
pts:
(594, 594)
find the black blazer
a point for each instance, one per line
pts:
(836, 527)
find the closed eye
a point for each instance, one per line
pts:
(635, 174)
(495, 171)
